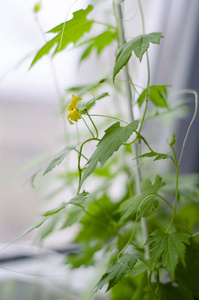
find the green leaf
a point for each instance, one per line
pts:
(74, 215)
(58, 158)
(56, 210)
(188, 276)
(157, 94)
(142, 205)
(114, 136)
(138, 206)
(28, 230)
(169, 292)
(49, 227)
(116, 271)
(169, 247)
(68, 32)
(139, 268)
(98, 222)
(148, 187)
(99, 42)
(139, 45)
(83, 108)
(78, 201)
(158, 156)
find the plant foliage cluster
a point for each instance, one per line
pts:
(148, 238)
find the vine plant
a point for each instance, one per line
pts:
(148, 241)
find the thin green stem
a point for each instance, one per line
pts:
(119, 18)
(192, 120)
(133, 84)
(93, 124)
(148, 68)
(105, 24)
(144, 114)
(176, 192)
(88, 127)
(55, 78)
(79, 161)
(63, 28)
(78, 138)
(195, 234)
(105, 116)
(81, 154)
(165, 201)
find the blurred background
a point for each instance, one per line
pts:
(31, 128)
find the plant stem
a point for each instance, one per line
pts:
(88, 127)
(79, 160)
(55, 78)
(93, 125)
(176, 193)
(105, 116)
(148, 68)
(130, 100)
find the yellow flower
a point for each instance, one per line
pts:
(73, 114)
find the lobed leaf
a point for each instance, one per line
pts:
(157, 155)
(78, 201)
(114, 136)
(139, 45)
(138, 206)
(188, 276)
(157, 94)
(169, 247)
(116, 271)
(99, 42)
(68, 32)
(148, 187)
(58, 158)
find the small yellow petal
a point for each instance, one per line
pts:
(73, 103)
(73, 115)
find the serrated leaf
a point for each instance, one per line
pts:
(78, 201)
(74, 215)
(157, 94)
(188, 276)
(48, 229)
(28, 230)
(101, 224)
(169, 247)
(138, 206)
(139, 268)
(157, 155)
(149, 188)
(73, 30)
(58, 158)
(139, 45)
(169, 292)
(116, 271)
(99, 43)
(114, 136)
(56, 210)
(161, 156)
(145, 204)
